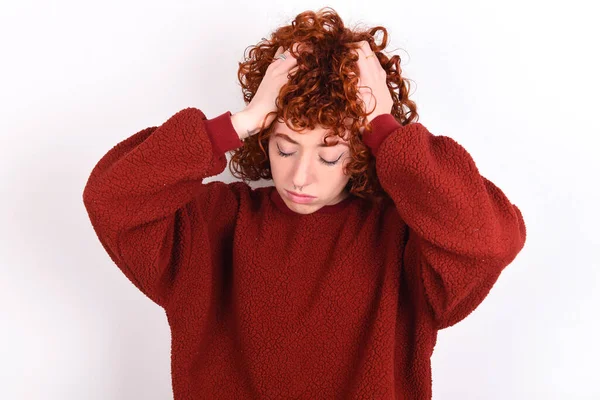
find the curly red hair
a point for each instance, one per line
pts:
(322, 91)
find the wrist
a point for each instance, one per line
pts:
(244, 123)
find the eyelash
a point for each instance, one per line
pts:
(330, 163)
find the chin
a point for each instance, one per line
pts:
(302, 208)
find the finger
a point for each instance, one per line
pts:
(360, 49)
(366, 47)
(277, 53)
(289, 61)
(365, 53)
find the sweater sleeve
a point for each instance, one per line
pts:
(142, 195)
(462, 229)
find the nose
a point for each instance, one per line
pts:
(302, 170)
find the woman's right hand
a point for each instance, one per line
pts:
(264, 99)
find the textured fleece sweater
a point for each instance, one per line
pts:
(266, 303)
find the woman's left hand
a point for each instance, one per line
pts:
(372, 86)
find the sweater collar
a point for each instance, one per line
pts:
(329, 209)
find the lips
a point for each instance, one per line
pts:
(300, 195)
(299, 199)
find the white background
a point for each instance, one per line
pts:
(515, 82)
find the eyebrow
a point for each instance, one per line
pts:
(289, 139)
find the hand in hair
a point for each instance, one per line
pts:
(372, 83)
(262, 107)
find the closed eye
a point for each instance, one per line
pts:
(282, 154)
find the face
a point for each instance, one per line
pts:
(302, 159)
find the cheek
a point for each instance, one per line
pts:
(341, 177)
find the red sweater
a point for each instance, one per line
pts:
(265, 303)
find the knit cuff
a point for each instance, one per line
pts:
(222, 134)
(382, 126)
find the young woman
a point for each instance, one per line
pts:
(333, 282)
